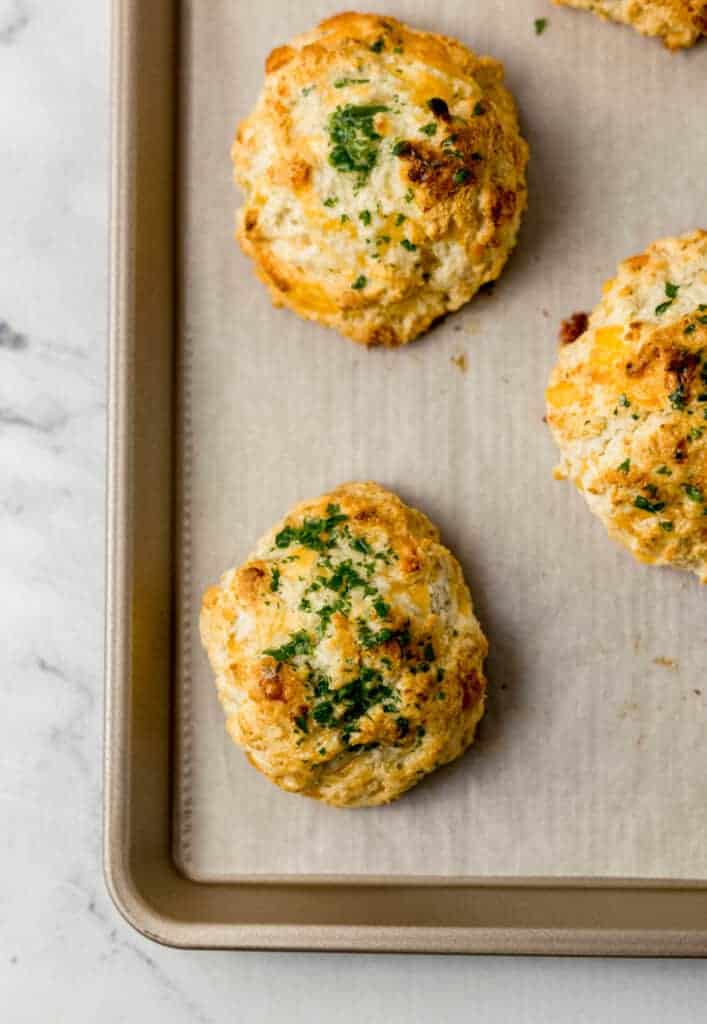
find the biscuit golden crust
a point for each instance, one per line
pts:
(627, 404)
(679, 23)
(348, 659)
(384, 176)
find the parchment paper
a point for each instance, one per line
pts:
(591, 760)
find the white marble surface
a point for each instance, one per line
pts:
(65, 955)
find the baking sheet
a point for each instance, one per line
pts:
(590, 761)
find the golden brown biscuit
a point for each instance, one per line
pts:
(384, 176)
(627, 404)
(347, 656)
(679, 23)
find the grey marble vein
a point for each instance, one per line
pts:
(14, 21)
(11, 339)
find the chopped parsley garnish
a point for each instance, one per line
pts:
(478, 109)
(678, 398)
(403, 726)
(344, 218)
(399, 219)
(696, 433)
(540, 26)
(692, 492)
(341, 83)
(324, 713)
(381, 607)
(671, 290)
(275, 579)
(365, 217)
(648, 506)
(409, 196)
(429, 129)
(407, 244)
(625, 466)
(461, 176)
(344, 578)
(377, 47)
(623, 400)
(313, 533)
(331, 201)
(299, 643)
(401, 147)
(360, 282)
(354, 139)
(301, 723)
(666, 525)
(368, 638)
(690, 329)
(307, 89)
(664, 471)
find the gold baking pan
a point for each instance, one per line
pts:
(166, 888)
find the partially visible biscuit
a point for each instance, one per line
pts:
(679, 23)
(348, 659)
(627, 404)
(384, 176)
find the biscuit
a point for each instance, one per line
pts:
(384, 176)
(348, 659)
(679, 23)
(627, 404)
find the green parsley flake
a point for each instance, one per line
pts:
(299, 643)
(666, 525)
(354, 139)
(317, 534)
(671, 290)
(461, 176)
(692, 492)
(341, 83)
(360, 282)
(331, 201)
(275, 579)
(377, 47)
(540, 25)
(403, 725)
(478, 109)
(625, 466)
(648, 506)
(400, 219)
(429, 129)
(664, 471)
(409, 196)
(365, 217)
(678, 398)
(301, 723)
(407, 244)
